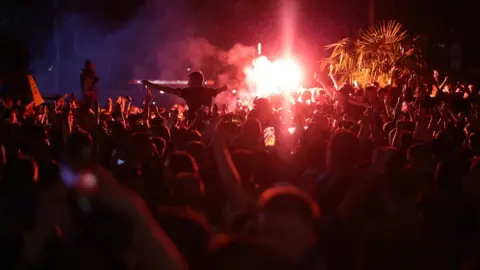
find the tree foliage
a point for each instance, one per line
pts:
(374, 54)
(14, 67)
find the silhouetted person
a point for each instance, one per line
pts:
(195, 95)
(89, 81)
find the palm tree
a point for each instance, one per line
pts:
(374, 54)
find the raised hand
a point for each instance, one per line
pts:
(147, 83)
(148, 96)
(224, 88)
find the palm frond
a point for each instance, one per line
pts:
(374, 52)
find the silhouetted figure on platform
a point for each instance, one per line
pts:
(195, 95)
(89, 83)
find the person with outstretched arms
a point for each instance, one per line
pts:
(195, 95)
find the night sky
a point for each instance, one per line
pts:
(226, 22)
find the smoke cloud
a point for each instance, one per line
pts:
(159, 42)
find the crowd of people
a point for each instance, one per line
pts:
(356, 178)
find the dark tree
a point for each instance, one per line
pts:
(14, 67)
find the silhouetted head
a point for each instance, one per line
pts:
(241, 253)
(342, 150)
(286, 221)
(89, 64)
(195, 79)
(186, 190)
(179, 162)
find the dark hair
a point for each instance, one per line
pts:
(419, 150)
(196, 76)
(346, 89)
(252, 125)
(404, 185)
(343, 149)
(182, 162)
(88, 63)
(242, 253)
(160, 144)
(395, 159)
(197, 150)
(188, 190)
(449, 174)
(79, 145)
(162, 131)
(289, 199)
(406, 140)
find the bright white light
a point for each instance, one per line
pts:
(162, 92)
(281, 76)
(234, 91)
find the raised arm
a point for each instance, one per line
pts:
(437, 83)
(334, 81)
(330, 75)
(229, 175)
(221, 90)
(163, 88)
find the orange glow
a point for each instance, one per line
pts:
(291, 130)
(265, 78)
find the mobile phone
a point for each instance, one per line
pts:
(269, 136)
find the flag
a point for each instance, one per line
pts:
(37, 97)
